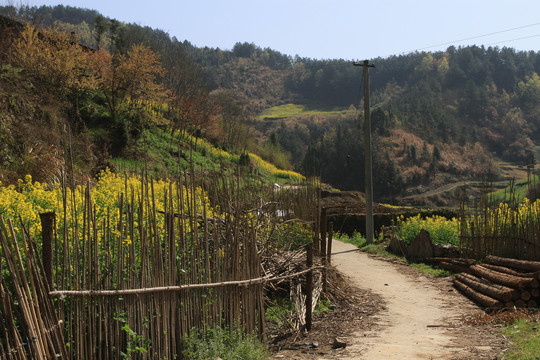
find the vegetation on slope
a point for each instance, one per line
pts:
(437, 117)
(68, 108)
(290, 110)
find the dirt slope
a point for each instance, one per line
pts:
(423, 317)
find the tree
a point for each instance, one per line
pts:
(413, 153)
(232, 116)
(129, 82)
(529, 96)
(100, 28)
(426, 65)
(190, 103)
(436, 153)
(130, 86)
(245, 50)
(54, 60)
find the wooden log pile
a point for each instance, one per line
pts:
(498, 283)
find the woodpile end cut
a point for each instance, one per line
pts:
(499, 283)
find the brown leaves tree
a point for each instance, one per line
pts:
(129, 82)
(54, 60)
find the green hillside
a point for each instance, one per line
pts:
(295, 110)
(437, 118)
(63, 113)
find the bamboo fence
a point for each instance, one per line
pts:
(511, 231)
(29, 326)
(130, 290)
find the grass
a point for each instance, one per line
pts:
(225, 344)
(281, 307)
(127, 165)
(427, 269)
(278, 310)
(162, 152)
(518, 189)
(378, 247)
(292, 110)
(525, 336)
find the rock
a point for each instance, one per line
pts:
(397, 246)
(421, 246)
(314, 345)
(439, 250)
(339, 343)
(446, 251)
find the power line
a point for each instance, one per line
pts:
(505, 41)
(479, 36)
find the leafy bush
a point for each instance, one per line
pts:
(441, 229)
(271, 170)
(323, 305)
(356, 239)
(226, 344)
(290, 235)
(28, 199)
(278, 310)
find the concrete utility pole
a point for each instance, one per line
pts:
(367, 150)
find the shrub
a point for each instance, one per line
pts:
(441, 229)
(356, 239)
(226, 344)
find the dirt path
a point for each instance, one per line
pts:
(422, 319)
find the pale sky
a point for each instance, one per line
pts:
(330, 29)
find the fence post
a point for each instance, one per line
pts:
(323, 234)
(47, 228)
(323, 246)
(309, 286)
(330, 235)
(316, 240)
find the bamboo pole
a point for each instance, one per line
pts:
(239, 283)
(309, 286)
(330, 235)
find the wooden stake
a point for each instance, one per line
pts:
(309, 286)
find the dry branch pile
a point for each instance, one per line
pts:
(498, 283)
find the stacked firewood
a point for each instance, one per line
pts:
(498, 282)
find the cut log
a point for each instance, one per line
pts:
(480, 298)
(509, 304)
(512, 281)
(525, 295)
(531, 304)
(514, 263)
(454, 267)
(520, 303)
(507, 270)
(535, 292)
(496, 291)
(461, 262)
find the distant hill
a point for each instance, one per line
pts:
(437, 117)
